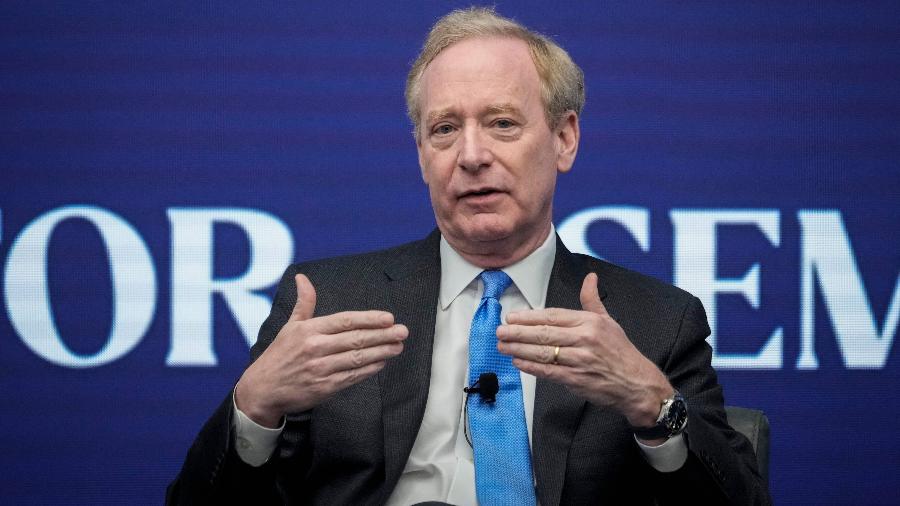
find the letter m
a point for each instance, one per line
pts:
(827, 257)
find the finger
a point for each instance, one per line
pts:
(344, 379)
(590, 295)
(543, 354)
(551, 316)
(306, 299)
(355, 359)
(536, 334)
(351, 320)
(540, 370)
(359, 339)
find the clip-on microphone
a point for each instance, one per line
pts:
(486, 387)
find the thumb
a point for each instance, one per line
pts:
(590, 296)
(306, 299)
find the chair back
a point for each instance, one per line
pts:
(753, 424)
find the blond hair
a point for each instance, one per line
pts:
(562, 81)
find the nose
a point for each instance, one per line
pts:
(474, 150)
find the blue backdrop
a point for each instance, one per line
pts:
(161, 163)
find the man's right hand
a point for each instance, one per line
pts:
(312, 358)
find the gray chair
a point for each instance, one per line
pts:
(753, 424)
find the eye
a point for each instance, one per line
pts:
(504, 124)
(443, 129)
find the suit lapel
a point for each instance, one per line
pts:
(557, 411)
(411, 295)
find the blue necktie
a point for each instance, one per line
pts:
(499, 434)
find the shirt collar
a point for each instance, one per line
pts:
(531, 275)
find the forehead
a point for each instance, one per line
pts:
(483, 70)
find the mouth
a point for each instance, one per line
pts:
(480, 192)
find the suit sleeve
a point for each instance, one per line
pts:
(213, 473)
(721, 465)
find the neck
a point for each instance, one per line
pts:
(499, 253)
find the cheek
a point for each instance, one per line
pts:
(438, 176)
(538, 184)
(438, 190)
(438, 196)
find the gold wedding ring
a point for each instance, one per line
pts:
(555, 355)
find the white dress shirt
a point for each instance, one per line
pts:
(441, 464)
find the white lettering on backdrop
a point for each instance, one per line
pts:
(826, 256)
(193, 285)
(826, 260)
(28, 297)
(695, 248)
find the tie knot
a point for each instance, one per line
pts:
(495, 283)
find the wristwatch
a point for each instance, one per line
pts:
(671, 422)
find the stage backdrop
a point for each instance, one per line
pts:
(162, 163)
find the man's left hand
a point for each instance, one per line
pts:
(595, 358)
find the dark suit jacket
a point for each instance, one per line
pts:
(352, 448)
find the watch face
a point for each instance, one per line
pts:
(677, 415)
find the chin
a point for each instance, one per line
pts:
(486, 232)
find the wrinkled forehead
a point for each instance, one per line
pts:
(497, 69)
(483, 53)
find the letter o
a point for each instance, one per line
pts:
(28, 297)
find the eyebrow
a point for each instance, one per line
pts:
(435, 116)
(505, 108)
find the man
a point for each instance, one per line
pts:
(606, 393)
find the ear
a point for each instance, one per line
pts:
(567, 136)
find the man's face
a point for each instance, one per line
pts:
(486, 151)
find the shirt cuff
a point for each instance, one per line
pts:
(253, 442)
(667, 457)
